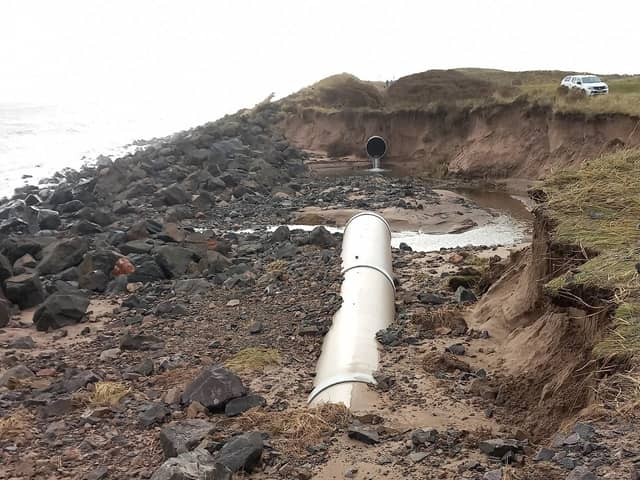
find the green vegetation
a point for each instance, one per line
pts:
(465, 88)
(598, 209)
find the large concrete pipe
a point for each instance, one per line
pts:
(376, 147)
(350, 352)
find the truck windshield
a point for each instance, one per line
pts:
(591, 79)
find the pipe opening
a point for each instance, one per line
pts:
(376, 147)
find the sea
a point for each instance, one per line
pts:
(37, 140)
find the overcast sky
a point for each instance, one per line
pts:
(229, 54)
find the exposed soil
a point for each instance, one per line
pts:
(511, 141)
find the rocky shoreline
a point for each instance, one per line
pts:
(143, 334)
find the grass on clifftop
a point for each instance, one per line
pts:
(465, 88)
(598, 208)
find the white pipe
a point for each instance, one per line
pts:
(350, 351)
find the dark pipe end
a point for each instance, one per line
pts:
(376, 147)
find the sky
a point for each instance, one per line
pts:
(223, 55)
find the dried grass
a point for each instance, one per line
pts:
(597, 208)
(16, 425)
(277, 266)
(299, 429)
(254, 359)
(108, 393)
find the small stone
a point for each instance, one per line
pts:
(456, 349)
(145, 367)
(351, 473)
(498, 447)
(183, 436)
(544, 455)
(493, 475)
(421, 437)
(23, 343)
(431, 298)
(19, 372)
(233, 303)
(172, 397)
(572, 439)
(586, 431)
(581, 473)
(405, 247)
(214, 387)
(240, 405)
(242, 453)
(110, 354)
(363, 434)
(464, 295)
(566, 462)
(58, 407)
(153, 414)
(255, 328)
(99, 473)
(417, 457)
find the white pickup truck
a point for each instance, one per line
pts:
(589, 84)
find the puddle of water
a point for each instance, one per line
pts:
(516, 206)
(501, 231)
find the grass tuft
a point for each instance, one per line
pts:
(254, 359)
(16, 425)
(298, 429)
(108, 393)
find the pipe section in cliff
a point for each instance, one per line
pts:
(350, 352)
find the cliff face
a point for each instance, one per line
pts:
(517, 140)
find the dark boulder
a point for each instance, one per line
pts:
(25, 290)
(16, 248)
(102, 260)
(429, 298)
(198, 464)
(242, 453)
(240, 405)
(100, 217)
(70, 207)
(6, 270)
(62, 194)
(62, 255)
(48, 219)
(61, 309)
(85, 227)
(216, 262)
(498, 447)
(214, 387)
(78, 380)
(191, 286)
(14, 225)
(183, 436)
(136, 246)
(465, 295)
(147, 270)
(280, 234)
(140, 342)
(19, 372)
(5, 311)
(363, 434)
(153, 414)
(174, 195)
(320, 236)
(95, 281)
(175, 261)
